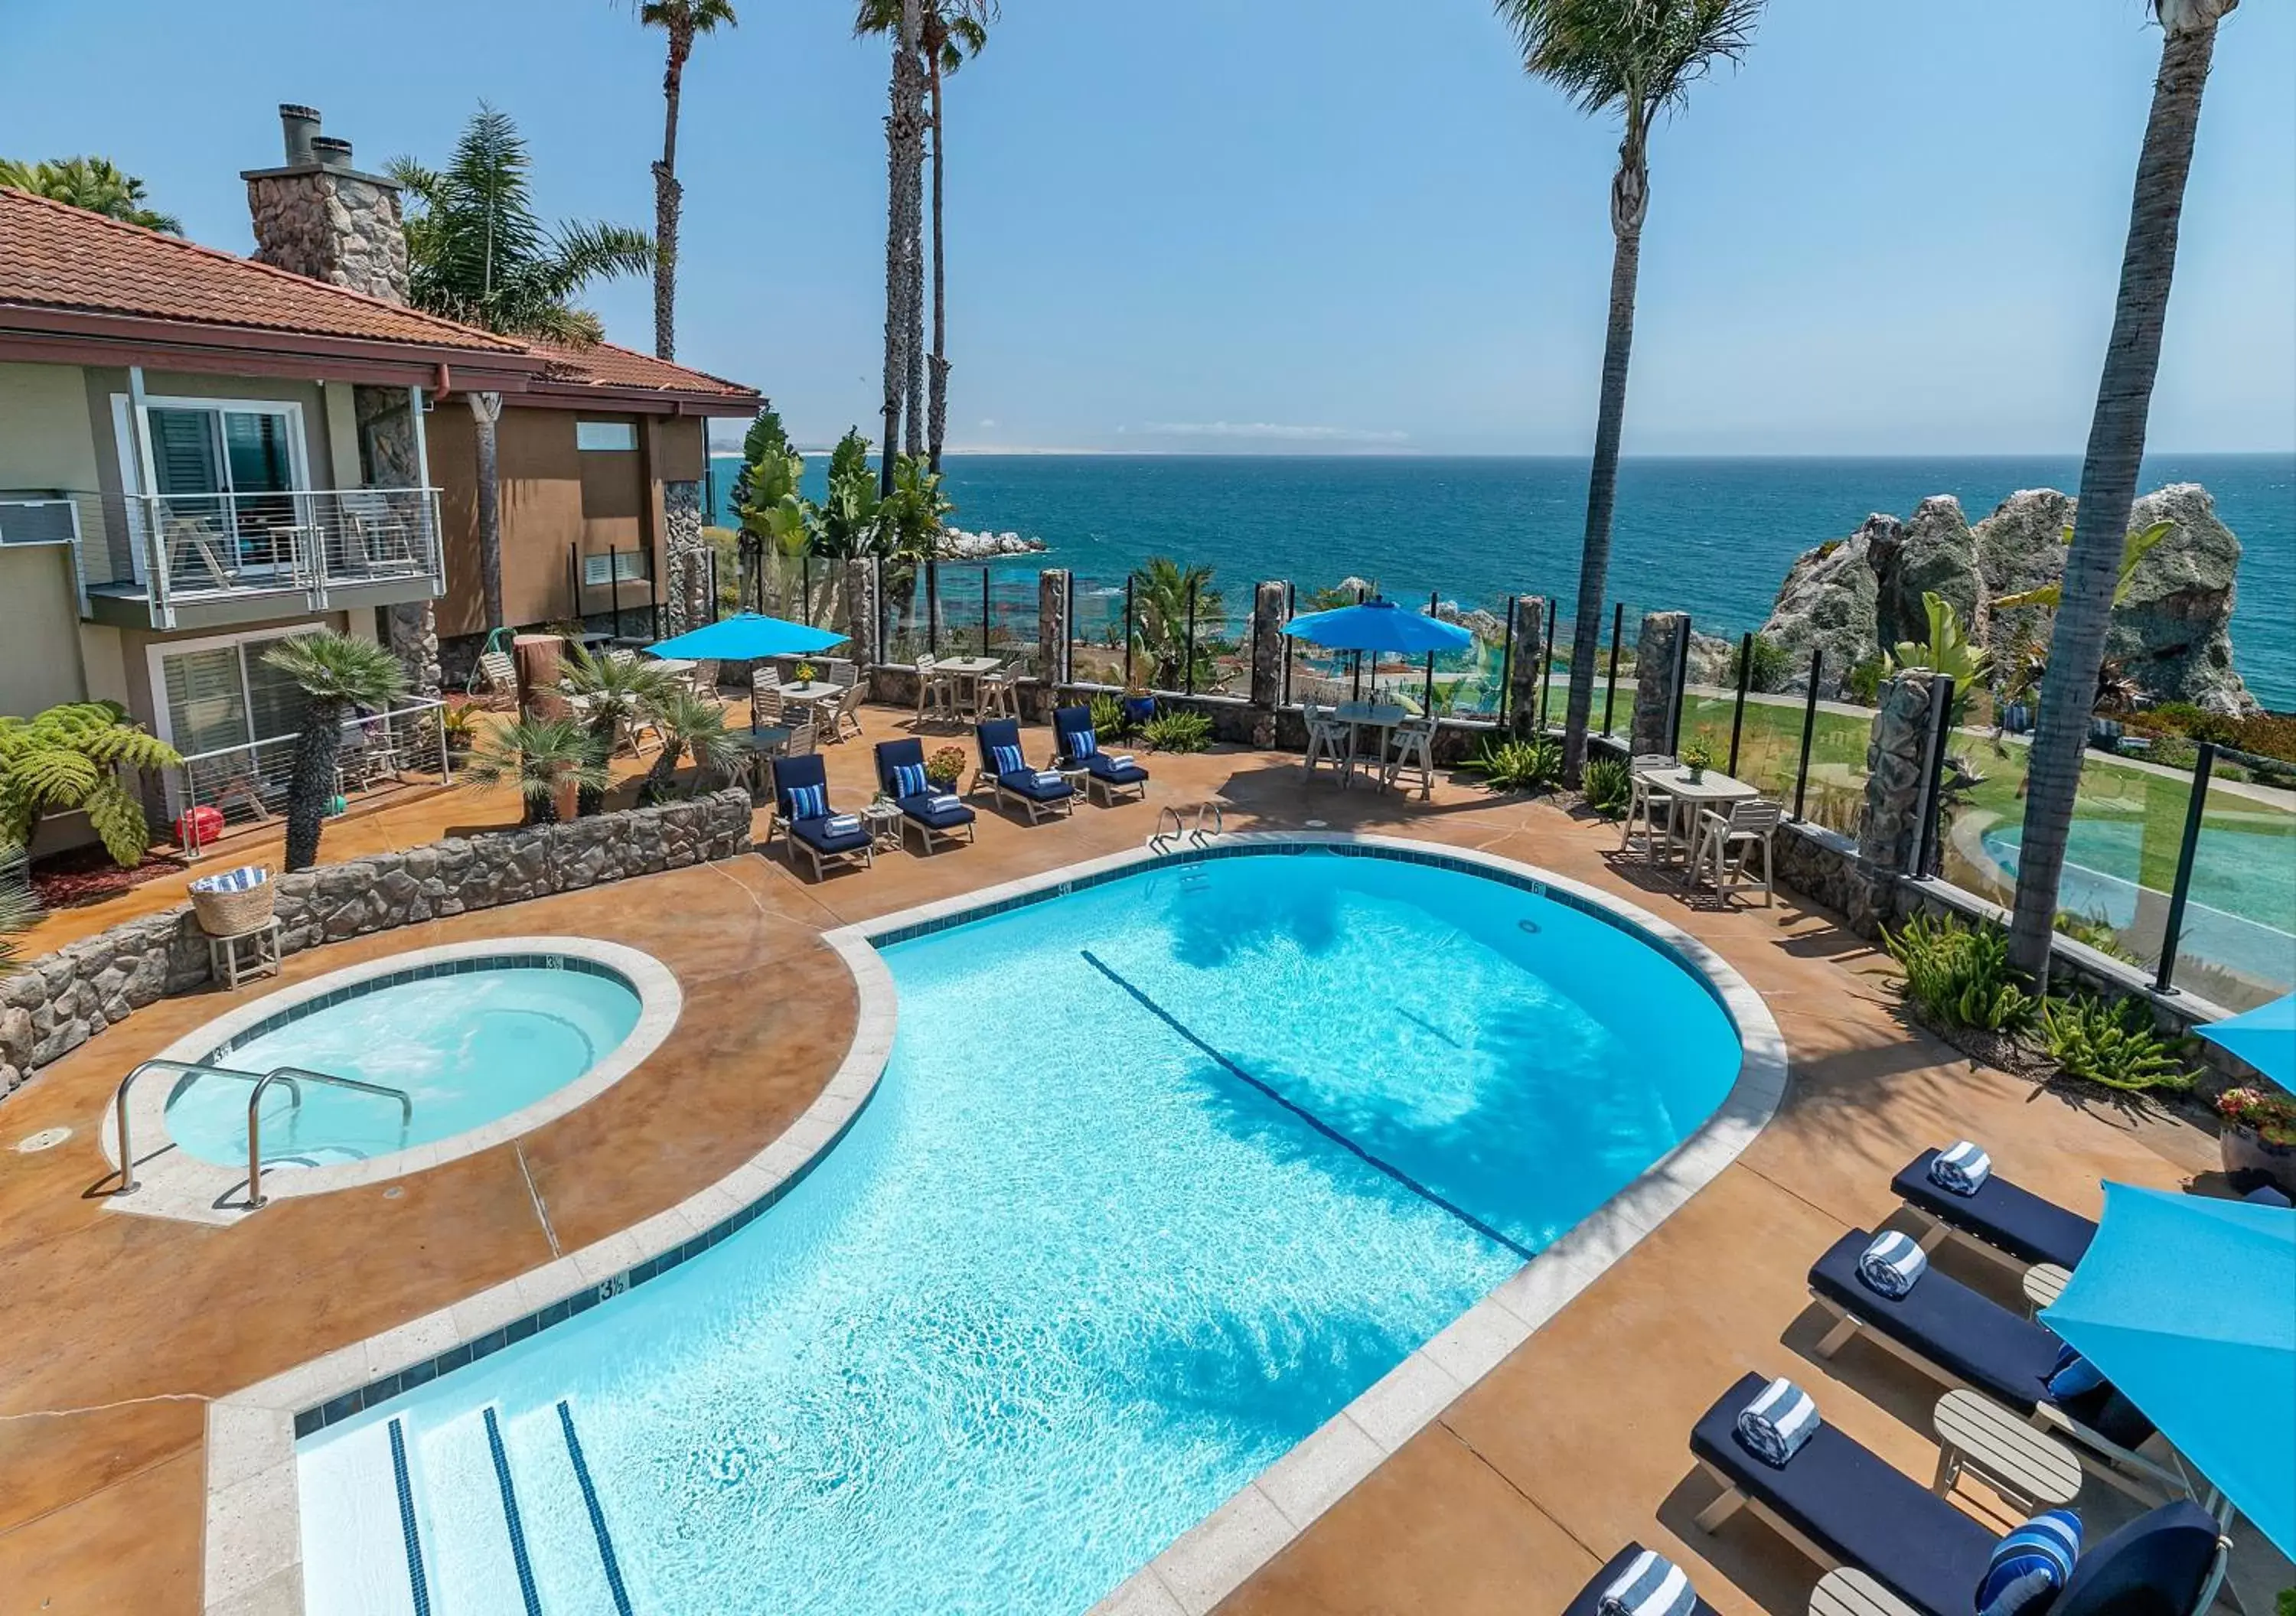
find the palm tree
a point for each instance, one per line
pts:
(684, 21)
(537, 756)
(618, 692)
(689, 724)
(17, 909)
(72, 757)
(477, 252)
(903, 203)
(1166, 598)
(2108, 488)
(336, 674)
(1636, 59)
(92, 183)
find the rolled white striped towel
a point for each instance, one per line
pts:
(1652, 1585)
(1892, 1263)
(941, 802)
(1121, 760)
(1775, 1425)
(843, 824)
(1048, 778)
(1960, 1171)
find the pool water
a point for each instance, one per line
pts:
(1160, 1176)
(465, 1047)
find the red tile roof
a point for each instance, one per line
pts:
(609, 367)
(54, 256)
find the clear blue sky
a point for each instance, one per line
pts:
(1319, 223)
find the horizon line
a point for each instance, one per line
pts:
(1050, 451)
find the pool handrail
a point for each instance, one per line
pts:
(293, 1076)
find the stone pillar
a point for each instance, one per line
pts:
(1269, 644)
(1896, 762)
(317, 215)
(389, 460)
(686, 553)
(1053, 631)
(1526, 632)
(1660, 655)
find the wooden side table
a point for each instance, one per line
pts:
(2043, 1283)
(2030, 1468)
(244, 954)
(1848, 1591)
(884, 822)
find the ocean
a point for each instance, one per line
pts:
(1711, 537)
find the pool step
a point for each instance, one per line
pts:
(484, 1513)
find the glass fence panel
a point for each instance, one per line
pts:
(1096, 633)
(2238, 942)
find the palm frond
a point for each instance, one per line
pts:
(339, 669)
(1636, 58)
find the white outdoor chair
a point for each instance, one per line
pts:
(1727, 845)
(998, 695)
(936, 691)
(1414, 754)
(1651, 807)
(1328, 742)
(498, 674)
(844, 713)
(766, 700)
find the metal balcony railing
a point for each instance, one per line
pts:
(247, 785)
(178, 549)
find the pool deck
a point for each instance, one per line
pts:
(120, 1328)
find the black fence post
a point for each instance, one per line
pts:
(1427, 698)
(1067, 670)
(1290, 610)
(884, 607)
(1506, 661)
(804, 589)
(1738, 713)
(1188, 681)
(1681, 689)
(1547, 662)
(1926, 849)
(2172, 934)
(984, 611)
(933, 608)
(614, 584)
(574, 583)
(1808, 728)
(1611, 688)
(1128, 578)
(713, 586)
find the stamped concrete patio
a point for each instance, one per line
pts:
(121, 1328)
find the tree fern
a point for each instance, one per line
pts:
(78, 757)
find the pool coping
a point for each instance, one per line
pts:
(173, 1183)
(253, 1538)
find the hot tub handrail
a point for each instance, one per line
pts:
(291, 1075)
(186, 1068)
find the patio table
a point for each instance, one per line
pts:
(965, 671)
(1361, 715)
(752, 747)
(1689, 798)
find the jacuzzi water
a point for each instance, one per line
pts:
(1073, 1275)
(465, 1047)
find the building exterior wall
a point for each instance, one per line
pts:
(105, 382)
(40, 651)
(46, 440)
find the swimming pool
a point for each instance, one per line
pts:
(466, 1042)
(1162, 1172)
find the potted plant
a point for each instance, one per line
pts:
(1696, 757)
(460, 725)
(805, 672)
(2259, 1140)
(946, 767)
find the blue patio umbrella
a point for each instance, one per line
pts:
(2187, 1304)
(1379, 625)
(747, 637)
(2264, 1037)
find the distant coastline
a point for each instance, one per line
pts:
(1713, 536)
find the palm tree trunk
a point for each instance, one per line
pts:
(311, 786)
(1630, 201)
(937, 406)
(668, 198)
(486, 409)
(2108, 488)
(913, 298)
(902, 141)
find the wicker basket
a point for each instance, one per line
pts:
(228, 913)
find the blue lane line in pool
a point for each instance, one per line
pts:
(419, 1583)
(597, 1516)
(510, 1514)
(1431, 1197)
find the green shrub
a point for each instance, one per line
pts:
(1960, 976)
(1178, 732)
(1608, 784)
(1863, 682)
(1774, 664)
(1108, 717)
(2095, 931)
(2111, 1042)
(1519, 766)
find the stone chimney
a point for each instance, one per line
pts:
(319, 217)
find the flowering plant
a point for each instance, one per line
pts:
(946, 767)
(2273, 1116)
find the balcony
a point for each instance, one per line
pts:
(194, 560)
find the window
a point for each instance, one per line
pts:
(627, 565)
(219, 695)
(226, 471)
(600, 435)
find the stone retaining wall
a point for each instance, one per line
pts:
(60, 1000)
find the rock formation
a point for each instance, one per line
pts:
(958, 545)
(1857, 596)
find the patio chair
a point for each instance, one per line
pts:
(844, 713)
(2005, 1223)
(766, 700)
(1113, 774)
(496, 677)
(1842, 1505)
(1727, 843)
(1328, 742)
(801, 810)
(936, 691)
(998, 695)
(1589, 1599)
(804, 740)
(936, 815)
(1004, 766)
(1652, 807)
(1944, 1328)
(1414, 754)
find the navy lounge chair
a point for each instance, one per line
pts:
(1589, 1602)
(932, 824)
(1843, 1505)
(1080, 748)
(813, 832)
(1960, 1336)
(1019, 786)
(2000, 1219)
